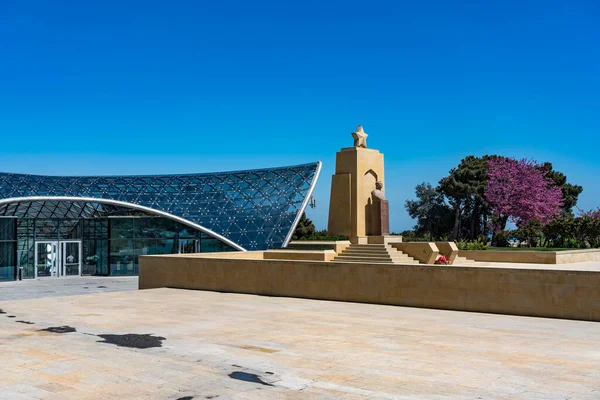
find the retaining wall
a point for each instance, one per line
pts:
(533, 257)
(532, 292)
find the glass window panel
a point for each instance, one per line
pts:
(121, 228)
(122, 259)
(25, 257)
(168, 246)
(46, 229)
(166, 228)
(143, 247)
(70, 229)
(213, 245)
(7, 261)
(8, 229)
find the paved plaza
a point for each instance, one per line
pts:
(181, 344)
(68, 286)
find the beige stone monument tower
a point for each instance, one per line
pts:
(358, 207)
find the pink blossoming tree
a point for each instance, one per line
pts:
(519, 191)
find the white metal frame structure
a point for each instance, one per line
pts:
(64, 262)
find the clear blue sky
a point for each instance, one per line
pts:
(138, 87)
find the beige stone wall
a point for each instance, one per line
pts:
(338, 246)
(448, 249)
(573, 256)
(340, 205)
(533, 257)
(543, 293)
(425, 252)
(308, 255)
(529, 257)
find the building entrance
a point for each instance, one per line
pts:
(57, 258)
(187, 246)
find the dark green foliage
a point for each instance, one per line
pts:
(324, 236)
(502, 238)
(570, 192)
(305, 229)
(529, 234)
(471, 245)
(560, 232)
(434, 217)
(457, 208)
(588, 230)
(412, 236)
(464, 188)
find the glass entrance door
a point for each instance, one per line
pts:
(46, 259)
(187, 246)
(53, 258)
(70, 256)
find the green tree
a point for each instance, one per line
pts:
(464, 188)
(530, 233)
(570, 192)
(305, 229)
(430, 210)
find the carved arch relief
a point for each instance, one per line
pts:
(369, 180)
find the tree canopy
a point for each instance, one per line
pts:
(520, 191)
(458, 207)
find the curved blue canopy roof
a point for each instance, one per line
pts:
(254, 209)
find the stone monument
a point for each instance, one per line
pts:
(359, 176)
(378, 213)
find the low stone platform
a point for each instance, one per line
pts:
(232, 346)
(555, 291)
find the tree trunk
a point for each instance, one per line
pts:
(503, 221)
(456, 228)
(474, 231)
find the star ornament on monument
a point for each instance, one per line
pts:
(360, 137)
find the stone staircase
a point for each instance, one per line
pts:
(374, 254)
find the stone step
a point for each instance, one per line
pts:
(395, 257)
(371, 246)
(408, 262)
(354, 251)
(386, 258)
(364, 254)
(374, 253)
(375, 262)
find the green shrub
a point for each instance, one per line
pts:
(502, 238)
(529, 234)
(324, 236)
(412, 236)
(471, 245)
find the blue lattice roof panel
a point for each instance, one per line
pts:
(255, 209)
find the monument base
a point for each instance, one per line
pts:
(375, 239)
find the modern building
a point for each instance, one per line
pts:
(99, 225)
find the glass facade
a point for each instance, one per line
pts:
(109, 246)
(8, 243)
(59, 226)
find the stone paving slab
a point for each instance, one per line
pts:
(234, 346)
(65, 286)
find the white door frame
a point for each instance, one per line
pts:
(58, 269)
(63, 257)
(55, 268)
(196, 245)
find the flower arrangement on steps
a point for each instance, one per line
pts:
(443, 260)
